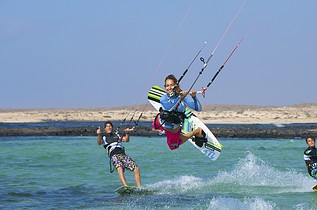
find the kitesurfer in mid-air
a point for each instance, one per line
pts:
(121, 161)
(310, 157)
(172, 114)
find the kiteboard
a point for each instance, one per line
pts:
(125, 190)
(212, 148)
(128, 190)
(315, 187)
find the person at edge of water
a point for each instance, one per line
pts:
(120, 160)
(310, 157)
(172, 114)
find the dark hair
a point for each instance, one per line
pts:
(172, 77)
(108, 122)
(310, 138)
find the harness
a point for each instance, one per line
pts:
(173, 116)
(313, 172)
(111, 143)
(112, 146)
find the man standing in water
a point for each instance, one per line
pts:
(112, 143)
(310, 157)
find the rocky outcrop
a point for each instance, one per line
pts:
(234, 131)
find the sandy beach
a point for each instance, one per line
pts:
(218, 114)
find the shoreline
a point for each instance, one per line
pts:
(251, 131)
(212, 114)
(232, 115)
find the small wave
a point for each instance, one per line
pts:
(200, 190)
(248, 203)
(20, 194)
(279, 125)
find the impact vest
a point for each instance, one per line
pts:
(112, 144)
(310, 157)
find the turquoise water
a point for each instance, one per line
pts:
(73, 173)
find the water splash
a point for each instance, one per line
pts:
(250, 174)
(180, 184)
(251, 184)
(251, 171)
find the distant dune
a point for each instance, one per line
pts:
(300, 113)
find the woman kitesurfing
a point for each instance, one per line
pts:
(174, 102)
(172, 114)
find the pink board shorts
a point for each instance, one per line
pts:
(156, 124)
(173, 139)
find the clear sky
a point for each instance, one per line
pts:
(100, 53)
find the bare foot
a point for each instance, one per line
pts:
(198, 132)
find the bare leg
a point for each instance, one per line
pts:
(121, 176)
(185, 137)
(137, 177)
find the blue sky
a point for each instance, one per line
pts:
(77, 54)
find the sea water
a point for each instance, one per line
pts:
(73, 173)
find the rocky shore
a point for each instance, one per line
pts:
(242, 121)
(234, 131)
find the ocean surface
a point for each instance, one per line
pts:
(73, 173)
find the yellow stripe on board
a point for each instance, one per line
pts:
(155, 93)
